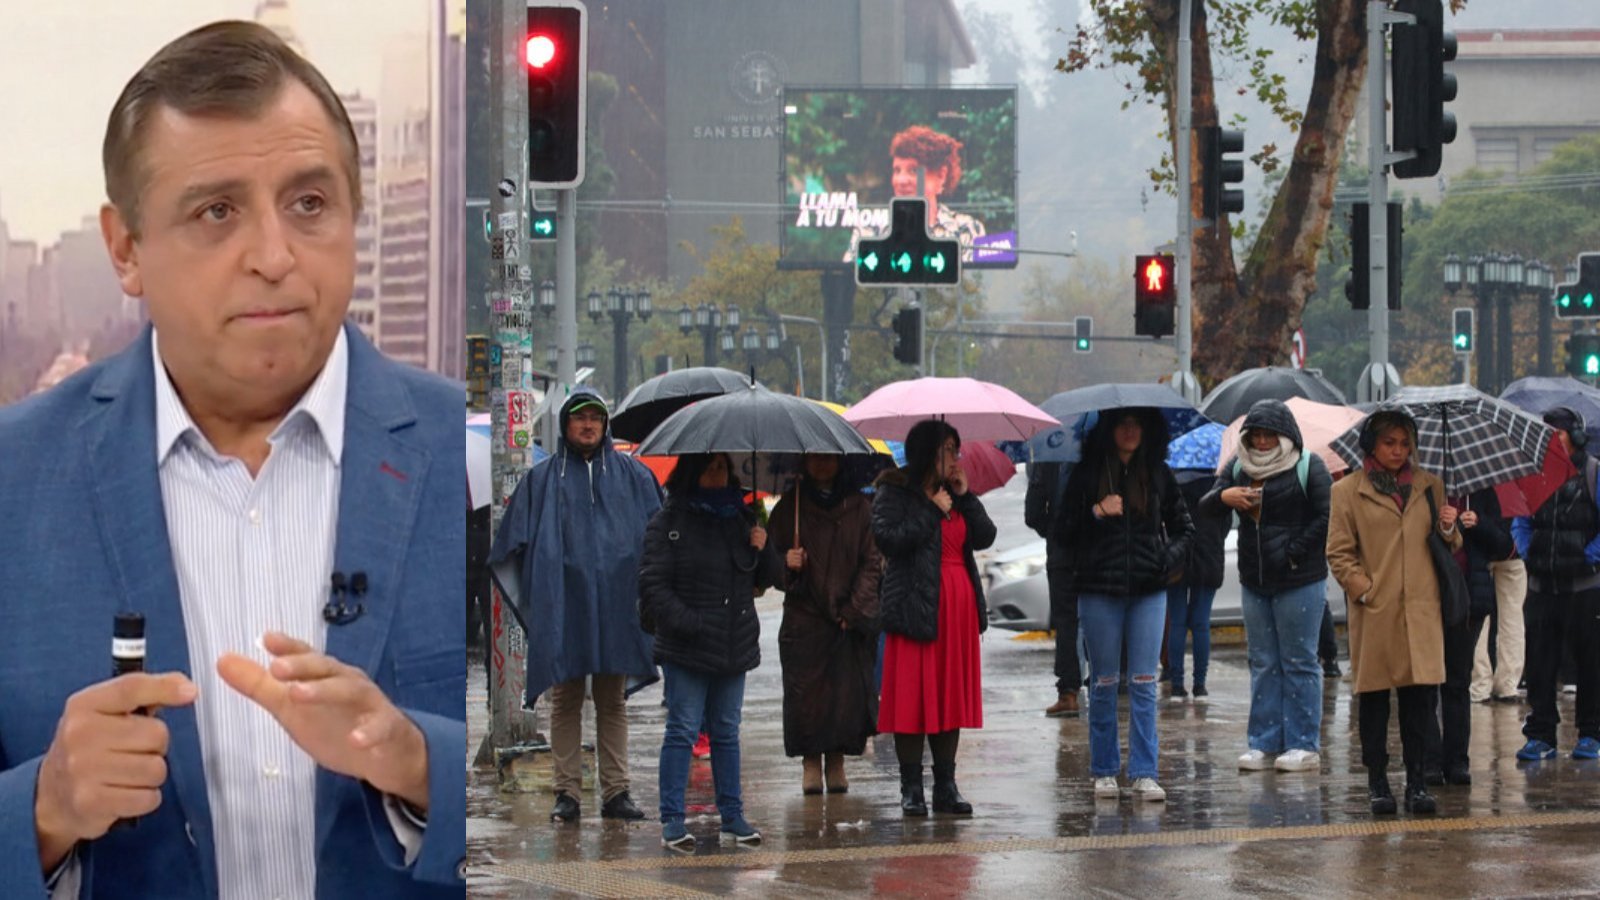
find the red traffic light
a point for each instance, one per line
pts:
(1155, 276)
(539, 50)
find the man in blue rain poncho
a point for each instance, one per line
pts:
(566, 556)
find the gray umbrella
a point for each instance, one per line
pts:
(1234, 397)
(649, 404)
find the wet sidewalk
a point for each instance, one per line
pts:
(1519, 830)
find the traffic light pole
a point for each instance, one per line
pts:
(1380, 379)
(511, 307)
(1183, 379)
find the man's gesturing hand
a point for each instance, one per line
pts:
(337, 715)
(104, 763)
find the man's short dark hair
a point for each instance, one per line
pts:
(227, 69)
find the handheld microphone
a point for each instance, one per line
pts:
(127, 655)
(336, 611)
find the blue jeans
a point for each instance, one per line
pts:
(717, 701)
(1285, 676)
(1105, 622)
(1189, 610)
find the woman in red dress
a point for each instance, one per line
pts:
(927, 525)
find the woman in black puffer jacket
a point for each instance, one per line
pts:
(1281, 494)
(705, 559)
(927, 525)
(1124, 518)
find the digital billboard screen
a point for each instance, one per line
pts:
(848, 151)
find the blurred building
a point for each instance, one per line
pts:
(81, 284)
(363, 113)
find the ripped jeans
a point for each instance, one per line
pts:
(1106, 622)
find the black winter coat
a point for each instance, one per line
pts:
(906, 527)
(1286, 547)
(1204, 566)
(1129, 555)
(1486, 542)
(698, 580)
(1562, 530)
(1047, 483)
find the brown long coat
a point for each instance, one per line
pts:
(829, 702)
(1397, 636)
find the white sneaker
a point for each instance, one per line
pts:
(1253, 761)
(1147, 789)
(1107, 787)
(1299, 761)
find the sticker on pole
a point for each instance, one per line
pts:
(518, 408)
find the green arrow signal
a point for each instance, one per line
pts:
(1462, 341)
(934, 261)
(901, 262)
(1588, 301)
(544, 226)
(1564, 301)
(870, 261)
(1591, 365)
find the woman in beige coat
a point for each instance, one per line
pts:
(1377, 549)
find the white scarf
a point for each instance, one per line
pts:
(1261, 465)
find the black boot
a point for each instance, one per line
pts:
(1418, 800)
(946, 799)
(1378, 793)
(911, 800)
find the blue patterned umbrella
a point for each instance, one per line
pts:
(1197, 449)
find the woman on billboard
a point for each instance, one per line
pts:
(938, 156)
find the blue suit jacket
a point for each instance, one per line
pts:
(83, 535)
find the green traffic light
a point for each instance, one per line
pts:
(544, 226)
(934, 262)
(901, 262)
(1083, 343)
(870, 261)
(1591, 364)
(1462, 341)
(1588, 301)
(1564, 301)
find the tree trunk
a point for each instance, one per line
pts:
(1245, 318)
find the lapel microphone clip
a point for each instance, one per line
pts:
(338, 612)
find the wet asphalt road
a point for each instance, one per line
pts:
(1519, 830)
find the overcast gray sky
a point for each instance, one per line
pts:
(62, 65)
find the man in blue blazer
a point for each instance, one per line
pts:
(247, 452)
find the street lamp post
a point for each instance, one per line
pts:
(1512, 272)
(709, 320)
(1539, 283)
(622, 305)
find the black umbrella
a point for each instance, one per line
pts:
(754, 420)
(1234, 397)
(649, 404)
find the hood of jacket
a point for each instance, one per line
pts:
(584, 396)
(1273, 416)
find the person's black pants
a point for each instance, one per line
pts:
(1327, 640)
(1556, 623)
(1064, 619)
(1447, 746)
(1416, 720)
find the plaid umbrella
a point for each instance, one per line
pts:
(1466, 437)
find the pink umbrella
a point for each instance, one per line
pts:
(979, 410)
(986, 467)
(1320, 424)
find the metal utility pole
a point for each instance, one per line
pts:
(1380, 380)
(510, 374)
(1183, 380)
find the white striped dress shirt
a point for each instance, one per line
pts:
(254, 555)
